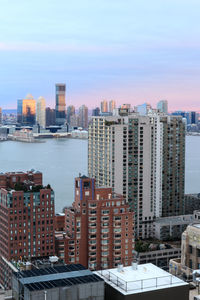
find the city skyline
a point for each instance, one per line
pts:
(131, 52)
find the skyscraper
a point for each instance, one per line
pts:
(104, 106)
(60, 104)
(41, 112)
(26, 111)
(141, 157)
(162, 106)
(143, 109)
(50, 116)
(83, 117)
(96, 112)
(0, 115)
(112, 106)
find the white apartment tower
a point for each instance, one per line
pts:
(134, 155)
(41, 112)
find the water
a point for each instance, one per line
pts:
(61, 160)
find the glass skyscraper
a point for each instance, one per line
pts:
(60, 104)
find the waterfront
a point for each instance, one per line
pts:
(61, 160)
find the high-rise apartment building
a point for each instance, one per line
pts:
(60, 104)
(104, 106)
(99, 230)
(112, 106)
(162, 106)
(41, 112)
(26, 111)
(143, 109)
(143, 158)
(83, 117)
(26, 217)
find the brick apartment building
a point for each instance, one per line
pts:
(26, 218)
(99, 229)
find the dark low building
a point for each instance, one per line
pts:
(58, 283)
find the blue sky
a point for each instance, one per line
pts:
(130, 51)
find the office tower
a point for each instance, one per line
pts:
(26, 218)
(0, 115)
(41, 112)
(50, 116)
(26, 111)
(162, 106)
(141, 157)
(104, 106)
(70, 112)
(60, 104)
(143, 109)
(83, 117)
(99, 227)
(74, 119)
(96, 112)
(112, 106)
(194, 116)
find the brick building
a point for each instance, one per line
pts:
(26, 218)
(99, 229)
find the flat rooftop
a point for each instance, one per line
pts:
(47, 278)
(147, 277)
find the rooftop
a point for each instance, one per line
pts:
(147, 277)
(66, 275)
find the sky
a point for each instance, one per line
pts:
(132, 51)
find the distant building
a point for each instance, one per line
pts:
(142, 282)
(26, 111)
(74, 121)
(50, 116)
(96, 112)
(143, 109)
(60, 104)
(125, 106)
(41, 112)
(71, 282)
(104, 106)
(0, 115)
(99, 229)
(70, 113)
(83, 117)
(26, 219)
(162, 106)
(192, 203)
(112, 106)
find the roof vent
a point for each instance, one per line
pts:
(120, 268)
(134, 265)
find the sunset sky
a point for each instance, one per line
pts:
(127, 50)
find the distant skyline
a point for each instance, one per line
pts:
(129, 51)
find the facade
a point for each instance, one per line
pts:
(60, 104)
(142, 282)
(192, 203)
(99, 229)
(41, 112)
(104, 106)
(26, 219)
(83, 117)
(72, 282)
(112, 106)
(50, 116)
(134, 155)
(162, 106)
